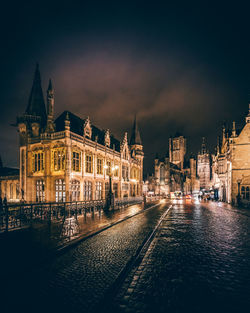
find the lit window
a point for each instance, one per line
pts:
(99, 166)
(58, 159)
(40, 191)
(125, 172)
(88, 163)
(116, 170)
(245, 192)
(98, 191)
(87, 190)
(38, 161)
(76, 161)
(60, 190)
(75, 190)
(108, 170)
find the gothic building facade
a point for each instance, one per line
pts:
(204, 167)
(231, 165)
(174, 172)
(69, 159)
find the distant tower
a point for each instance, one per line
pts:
(50, 108)
(177, 150)
(136, 142)
(136, 149)
(203, 166)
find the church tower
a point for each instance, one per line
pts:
(50, 127)
(203, 166)
(136, 142)
(136, 149)
(177, 150)
(30, 125)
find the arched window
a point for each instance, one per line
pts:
(40, 191)
(98, 190)
(11, 191)
(75, 190)
(247, 193)
(87, 190)
(243, 192)
(60, 190)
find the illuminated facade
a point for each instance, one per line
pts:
(231, 165)
(174, 173)
(69, 159)
(204, 167)
(9, 183)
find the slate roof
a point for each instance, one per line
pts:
(76, 126)
(9, 171)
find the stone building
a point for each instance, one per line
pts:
(231, 165)
(69, 158)
(204, 167)
(174, 172)
(9, 183)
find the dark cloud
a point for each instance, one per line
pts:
(177, 71)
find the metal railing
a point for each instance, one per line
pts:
(21, 215)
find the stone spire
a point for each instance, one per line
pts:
(50, 108)
(36, 106)
(135, 136)
(218, 145)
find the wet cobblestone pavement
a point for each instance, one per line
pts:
(77, 280)
(199, 261)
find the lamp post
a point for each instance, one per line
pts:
(110, 196)
(238, 196)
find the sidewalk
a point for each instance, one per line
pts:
(19, 249)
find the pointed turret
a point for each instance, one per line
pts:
(36, 106)
(135, 136)
(136, 143)
(218, 145)
(50, 108)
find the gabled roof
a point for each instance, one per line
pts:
(76, 126)
(9, 171)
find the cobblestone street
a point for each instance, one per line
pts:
(78, 279)
(199, 261)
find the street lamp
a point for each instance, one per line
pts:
(238, 196)
(110, 196)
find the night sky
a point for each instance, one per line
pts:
(181, 67)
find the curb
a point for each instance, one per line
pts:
(134, 260)
(62, 248)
